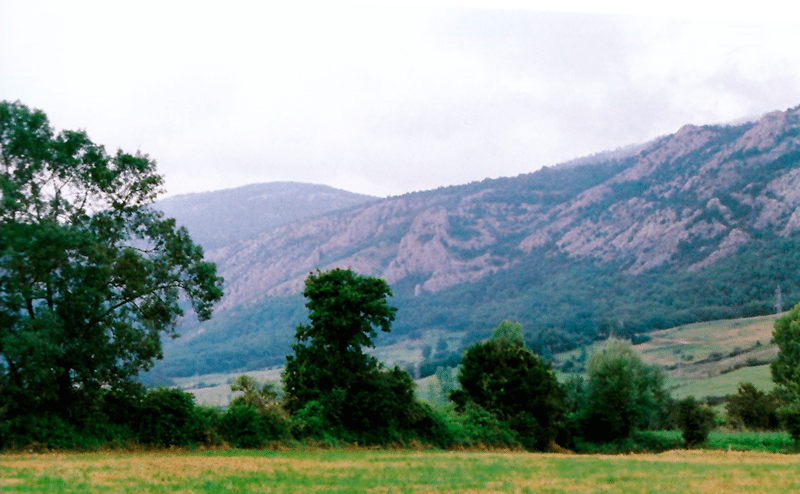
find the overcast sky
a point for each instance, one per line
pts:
(386, 98)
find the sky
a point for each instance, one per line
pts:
(382, 97)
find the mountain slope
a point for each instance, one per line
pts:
(699, 224)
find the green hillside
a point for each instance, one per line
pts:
(561, 305)
(707, 359)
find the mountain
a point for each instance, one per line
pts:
(219, 218)
(693, 226)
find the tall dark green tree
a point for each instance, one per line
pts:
(90, 276)
(509, 381)
(331, 375)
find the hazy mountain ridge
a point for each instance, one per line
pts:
(699, 225)
(224, 217)
(704, 190)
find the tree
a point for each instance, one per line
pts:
(330, 377)
(90, 276)
(513, 384)
(623, 394)
(263, 398)
(786, 367)
(694, 420)
(753, 409)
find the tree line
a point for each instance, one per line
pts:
(334, 393)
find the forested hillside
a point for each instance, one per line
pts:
(698, 225)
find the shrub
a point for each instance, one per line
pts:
(694, 420)
(208, 425)
(241, 425)
(168, 418)
(310, 422)
(753, 409)
(476, 426)
(264, 399)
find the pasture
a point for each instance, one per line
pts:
(384, 471)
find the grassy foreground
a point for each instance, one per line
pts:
(399, 471)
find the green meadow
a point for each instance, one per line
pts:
(361, 471)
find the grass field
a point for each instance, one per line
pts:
(400, 471)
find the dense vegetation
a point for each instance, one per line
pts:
(335, 394)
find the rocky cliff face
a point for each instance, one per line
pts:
(685, 200)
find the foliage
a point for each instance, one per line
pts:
(786, 367)
(350, 391)
(475, 426)
(258, 396)
(264, 400)
(507, 380)
(622, 394)
(694, 420)
(790, 416)
(637, 442)
(753, 409)
(90, 276)
(241, 425)
(168, 418)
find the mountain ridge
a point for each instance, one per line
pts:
(667, 213)
(223, 217)
(627, 214)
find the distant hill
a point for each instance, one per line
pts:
(220, 218)
(699, 225)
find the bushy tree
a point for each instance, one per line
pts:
(259, 396)
(168, 418)
(263, 398)
(90, 276)
(695, 421)
(242, 426)
(622, 393)
(330, 378)
(509, 381)
(753, 409)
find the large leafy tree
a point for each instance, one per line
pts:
(622, 395)
(331, 377)
(90, 276)
(508, 380)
